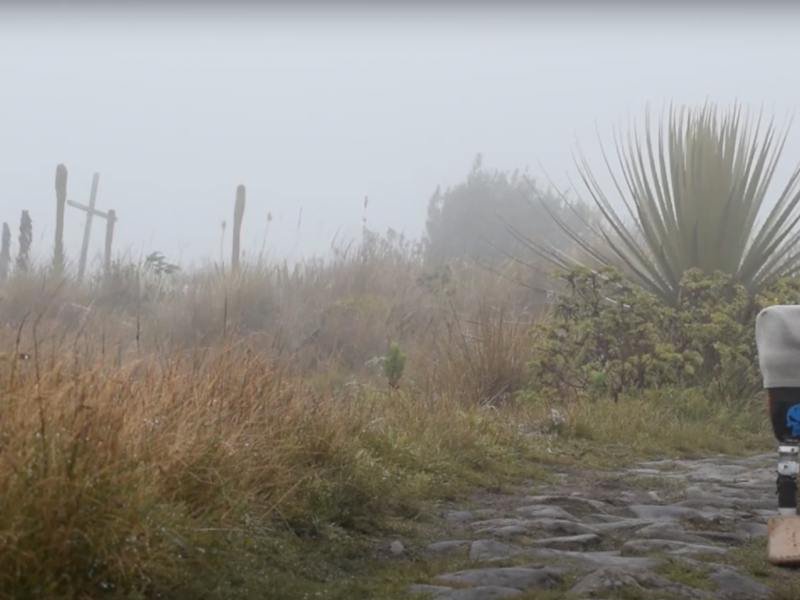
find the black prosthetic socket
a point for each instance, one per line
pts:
(787, 492)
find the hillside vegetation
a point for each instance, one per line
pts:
(267, 432)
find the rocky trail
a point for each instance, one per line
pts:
(669, 529)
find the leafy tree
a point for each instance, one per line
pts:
(471, 219)
(695, 190)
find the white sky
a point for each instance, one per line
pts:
(317, 109)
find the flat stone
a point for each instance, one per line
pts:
(485, 592)
(718, 473)
(579, 543)
(768, 457)
(492, 550)
(711, 566)
(735, 586)
(628, 497)
(509, 531)
(489, 523)
(720, 518)
(670, 546)
(448, 546)
(645, 471)
(615, 579)
(701, 503)
(621, 525)
(542, 511)
(729, 497)
(519, 578)
(756, 479)
(596, 559)
(611, 518)
(459, 516)
(561, 500)
(752, 530)
(562, 527)
(668, 530)
(422, 588)
(665, 464)
(663, 513)
(720, 491)
(723, 537)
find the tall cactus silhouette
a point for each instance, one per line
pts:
(238, 216)
(61, 201)
(5, 252)
(25, 239)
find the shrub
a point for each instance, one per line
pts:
(606, 336)
(393, 365)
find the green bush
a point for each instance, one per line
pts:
(606, 336)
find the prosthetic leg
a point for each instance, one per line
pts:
(783, 531)
(778, 342)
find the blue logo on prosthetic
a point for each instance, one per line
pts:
(793, 420)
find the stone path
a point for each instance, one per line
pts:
(604, 536)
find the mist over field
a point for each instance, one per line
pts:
(315, 109)
(209, 411)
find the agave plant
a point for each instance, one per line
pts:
(694, 197)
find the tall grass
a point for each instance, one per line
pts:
(115, 477)
(172, 436)
(341, 311)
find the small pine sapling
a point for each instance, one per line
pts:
(393, 365)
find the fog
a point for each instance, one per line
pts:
(318, 109)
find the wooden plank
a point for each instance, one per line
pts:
(87, 228)
(94, 211)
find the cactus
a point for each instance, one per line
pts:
(238, 215)
(61, 201)
(25, 239)
(5, 252)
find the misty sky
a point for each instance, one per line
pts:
(318, 109)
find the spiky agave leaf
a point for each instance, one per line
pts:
(693, 197)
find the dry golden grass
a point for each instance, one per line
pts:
(221, 436)
(117, 475)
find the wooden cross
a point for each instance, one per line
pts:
(92, 212)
